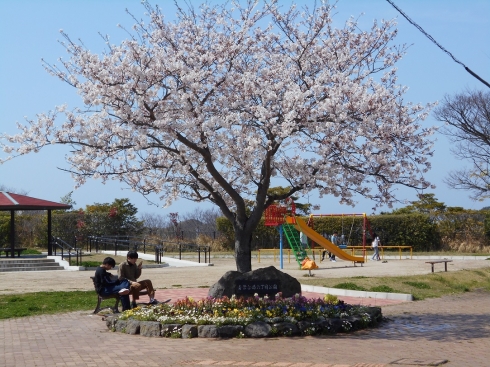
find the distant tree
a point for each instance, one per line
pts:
(153, 223)
(12, 190)
(175, 222)
(467, 116)
(204, 219)
(116, 218)
(67, 199)
(427, 204)
(220, 103)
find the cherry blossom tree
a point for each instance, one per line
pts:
(226, 99)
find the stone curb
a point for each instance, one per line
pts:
(357, 294)
(257, 329)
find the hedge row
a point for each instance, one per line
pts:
(416, 230)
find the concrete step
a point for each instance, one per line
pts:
(26, 261)
(39, 268)
(38, 264)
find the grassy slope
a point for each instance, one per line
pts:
(420, 286)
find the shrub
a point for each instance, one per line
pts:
(350, 286)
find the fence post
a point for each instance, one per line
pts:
(199, 254)
(157, 253)
(180, 251)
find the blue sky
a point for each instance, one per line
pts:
(29, 31)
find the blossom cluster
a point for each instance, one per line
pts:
(243, 311)
(218, 103)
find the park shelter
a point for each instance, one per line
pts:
(15, 202)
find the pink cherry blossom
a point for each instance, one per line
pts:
(223, 103)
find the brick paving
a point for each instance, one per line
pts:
(453, 328)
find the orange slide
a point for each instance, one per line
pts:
(301, 226)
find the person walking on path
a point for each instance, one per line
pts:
(107, 284)
(130, 271)
(375, 245)
(335, 240)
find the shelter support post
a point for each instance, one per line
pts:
(12, 232)
(50, 244)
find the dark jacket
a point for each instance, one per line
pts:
(103, 278)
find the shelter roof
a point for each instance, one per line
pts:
(11, 201)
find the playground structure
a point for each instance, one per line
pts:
(284, 217)
(345, 218)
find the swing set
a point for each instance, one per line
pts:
(344, 218)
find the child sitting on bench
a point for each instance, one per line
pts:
(130, 271)
(107, 284)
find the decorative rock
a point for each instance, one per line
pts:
(207, 331)
(317, 324)
(189, 331)
(132, 327)
(110, 322)
(375, 314)
(150, 328)
(258, 329)
(286, 328)
(168, 329)
(229, 331)
(334, 324)
(121, 326)
(356, 322)
(303, 325)
(289, 286)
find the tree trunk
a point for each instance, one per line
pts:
(243, 250)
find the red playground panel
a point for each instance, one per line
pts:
(275, 215)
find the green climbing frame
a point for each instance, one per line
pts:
(292, 235)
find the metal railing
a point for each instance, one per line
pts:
(59, 244)
(118, 243)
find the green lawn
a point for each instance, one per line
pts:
(420, 286)
(31, 304)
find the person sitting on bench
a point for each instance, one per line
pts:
(107, 284)
(130, 271)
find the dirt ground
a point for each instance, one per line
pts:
(205, 276)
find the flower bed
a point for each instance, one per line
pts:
(246, 317)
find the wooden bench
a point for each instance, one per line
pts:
(116, 296)
(9, 250)
(437, 262)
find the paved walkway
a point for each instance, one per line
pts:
(454, 328)
(422, 333)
